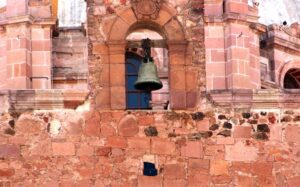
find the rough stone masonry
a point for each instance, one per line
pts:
(63, 110)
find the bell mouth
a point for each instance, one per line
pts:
(151, 86)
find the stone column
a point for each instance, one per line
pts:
(215, 56)
(41, 57)
(241, 47)
(117, 75)
(177, 74)
(16, 8)
(18, 56)
(3, 58)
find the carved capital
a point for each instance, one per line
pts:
(146, 9)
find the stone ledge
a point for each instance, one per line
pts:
(19, 100)
(27, 19)
(274, 98)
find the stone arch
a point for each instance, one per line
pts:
(116, 28)
(166, 24)
(286, 69)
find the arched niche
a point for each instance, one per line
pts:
(290, 71)
(117, 28)
(159, 99)
(292, 79)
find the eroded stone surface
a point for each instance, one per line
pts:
(236, 160)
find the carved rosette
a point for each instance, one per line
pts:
(146, 9)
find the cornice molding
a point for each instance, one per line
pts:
(27, 19)
(20, 100)
(273, 98)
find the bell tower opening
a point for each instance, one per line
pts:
(145, 99)
(292, 79)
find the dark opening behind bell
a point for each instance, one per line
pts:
(147, 77)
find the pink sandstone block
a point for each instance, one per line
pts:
(238, 151)
(16, 8)
(63, 149)
(163, 147)
(192, 149)
(146, 181)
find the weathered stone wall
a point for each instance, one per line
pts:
(69, 59)
(280, 47)
(26, 44)
(99, 146)
(215, 148)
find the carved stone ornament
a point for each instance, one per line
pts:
(146, 9)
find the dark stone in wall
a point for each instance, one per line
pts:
(261, 136)
(246, 115)
(199, 135)
(227, 125)
(214, 127)
(297, 118)
(272, 119)
(198, 116)
(263, 113)
(252, 121)
(286, 119)
(9, 131)
(12, 123)
(263, 128)
(151, 131)
(225, 133)
(220, 117)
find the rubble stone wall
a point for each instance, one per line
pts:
(108, 148)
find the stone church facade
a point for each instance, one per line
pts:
(227, 115)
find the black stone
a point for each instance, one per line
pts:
(12, 123)
(151, 131)
(261, 136)
(214, 127)
(227, 125)
(263, 128)
(225, 133)
(246, 115)
(198, 116)
(263, 113)
(220, 117)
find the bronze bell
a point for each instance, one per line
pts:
(147, 77)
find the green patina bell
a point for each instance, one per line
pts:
(147, 77)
